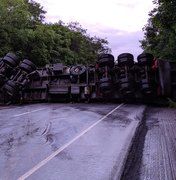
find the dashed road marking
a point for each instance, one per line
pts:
(47, 159)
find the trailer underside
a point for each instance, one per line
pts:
(146, 80)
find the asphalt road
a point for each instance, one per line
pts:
(66, 141)
(159, 153)
(153, 156)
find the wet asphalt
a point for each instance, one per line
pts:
(159, 152)
(153, 155)
(66, 141)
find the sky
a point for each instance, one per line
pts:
(120, 22)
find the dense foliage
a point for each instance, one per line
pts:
(24, 32)
(160, 31)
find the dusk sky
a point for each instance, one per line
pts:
(120, 22)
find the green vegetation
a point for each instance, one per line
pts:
(24, 32)
(172, 104)
(160, 31)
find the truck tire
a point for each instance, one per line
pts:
(126, 59)
(12, 56)
(9, 61)
(26, 61)
(145, 59)
(106, 60)
(105, 85)
(27, 66)
(123, 80)
(109, 56)
(11, 88)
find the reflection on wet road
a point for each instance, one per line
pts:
(68, 141)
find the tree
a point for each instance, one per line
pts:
(16, 18)
(160, 31)
(37, 14)
(24, 32)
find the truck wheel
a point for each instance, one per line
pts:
(12, 56)
(145, 59)
(27, 66)
(105, 85)
(109, 56)
(11, 88)
(26, 61)
(103, 80)
(123, 80)
(106, 60)
(126, 59)
(9, 61)
(125, 85)
(78, 70)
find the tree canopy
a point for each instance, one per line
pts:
(160, 31)
(25, 32)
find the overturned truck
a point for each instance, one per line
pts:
(144, 80)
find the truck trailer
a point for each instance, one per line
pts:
(146, 80)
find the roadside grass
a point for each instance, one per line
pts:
(172, 104)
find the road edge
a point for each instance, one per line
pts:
(136, 133)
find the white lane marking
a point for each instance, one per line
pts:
(46, 160)
(17, 115)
